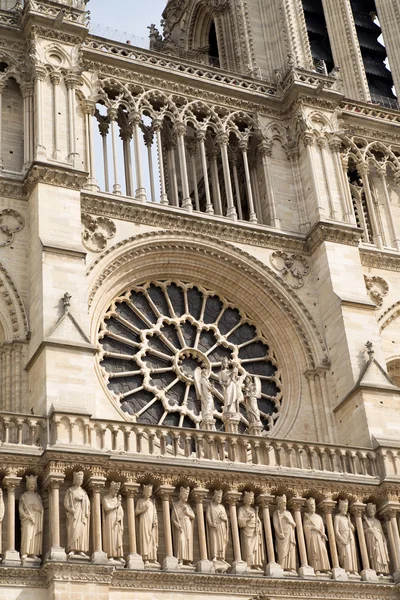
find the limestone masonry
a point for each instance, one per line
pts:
(200, 303)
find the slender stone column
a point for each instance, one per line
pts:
(215, 182)
(136, 120)
(223, 140)
(40, 76)
(234, 161)
(17, 376)
(27, 94)
(344, 165)
(200, 136)
(157, 126)
(327, 506)
(8, 378)
(96, 485)
(134, 560)
(265, 149)
(308, 141)
(180, 132)
(367, 574)
(53, 483)
(11, 556)
(172, 175)
(305, 570)
(335, 144)
(126, 136)
(239, 566)
(112, 115)
(204, 565)
(72, 82)
(322, 143)
(104, 127)
(148, 142)
(272, 569)
(390, 511)
(89, 110)
(394, 238)
(165, 492)
(293, 155)
(363, 171)
(252, 214)
(192, 151)
(55, 80)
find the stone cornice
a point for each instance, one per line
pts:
(10, 188)
(178, 219)
(332, 232)
(231, 585)
(380, 259)
(56, 175)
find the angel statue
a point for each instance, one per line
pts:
(231, 383)
(251, 394)
(204, 393)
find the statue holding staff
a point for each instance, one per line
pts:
(77, 506)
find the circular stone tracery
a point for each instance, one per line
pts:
(154, 336)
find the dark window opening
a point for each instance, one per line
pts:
(372, 48)
(213, 52)
(318, 36)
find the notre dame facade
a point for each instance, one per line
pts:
(200, 303)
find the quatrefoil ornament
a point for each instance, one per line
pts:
(292, 267)
(97, 231)
(10, 223)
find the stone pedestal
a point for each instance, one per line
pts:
(56, 554)
(339, 574)
(170, 563)
(134, 562)
(204, 566)
(30, 561)
(99, 558)
(12, 558)
(306, 572)
(231, 422)
(208, 424)
(369, 575)
(255, 430)
(239, 567)
(272, 569)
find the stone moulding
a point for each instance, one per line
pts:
(54, 175)
(380, 259)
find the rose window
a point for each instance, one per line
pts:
(154, 337)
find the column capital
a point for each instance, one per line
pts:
(321, 142)
(72, 80)
(135, 117)
(327, 506)
(307, 138)
(265, 500)
(200, 135)
(53, 481)
(179, 129)
(362, 169)
(88, 107)
(357, 509)
(40, 73)
(296, 503)
(335, 144)
(157, 124)
(26, 89)
(112, 113)
(11, 482)
(232, 497)
(265, 148)
(389, 509)
(243, 144)
(96, 483)
(165, 492)
(131, 489)
(199, 494)
(55, 77)
(222, 138)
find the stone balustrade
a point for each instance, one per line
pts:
(193, 445)
(22, 430)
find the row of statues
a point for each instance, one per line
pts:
(252, 539)
(236, 389)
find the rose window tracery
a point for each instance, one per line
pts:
(154, 337)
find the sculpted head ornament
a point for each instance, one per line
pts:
(31, 481)
(115, 485)
(77, 477)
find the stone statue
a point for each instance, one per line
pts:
(182, 526)
(251, 532)
(231, 386)
(77, 506)
(316, 539)
(31, 515)
(344, 533)
(284, 527)
(218, 532)
(204, 393)
(113, 523)
(376, 542)
(251, 393)
(148, 526)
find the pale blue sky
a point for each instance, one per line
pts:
(131, 16)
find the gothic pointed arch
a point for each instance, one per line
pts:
(13, 316)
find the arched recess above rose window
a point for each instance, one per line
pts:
(154, 336)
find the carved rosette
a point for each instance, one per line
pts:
(292, 267)
(10, 223)
(154, 337)
(377, 289)
(96, 232)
